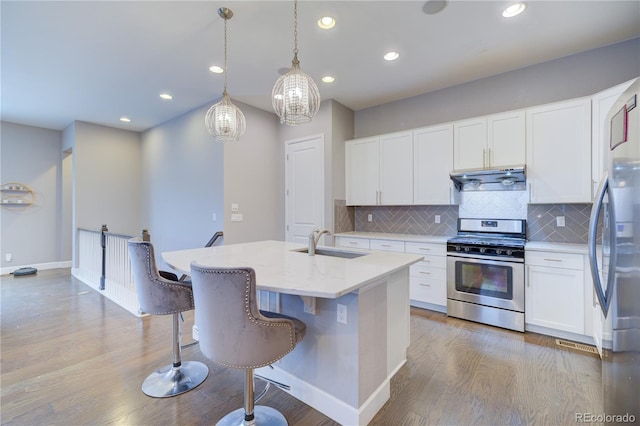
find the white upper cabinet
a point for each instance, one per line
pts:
(396, 168)
(559, 152)
(469, 143)
(362, 158)
(496, 140)
(506, 139)
(379, 170)
(432, 163)
(601, 103)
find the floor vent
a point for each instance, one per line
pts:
(577, 346)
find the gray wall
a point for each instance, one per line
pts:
(106, 178)
(32, 156)
(573, 76)
(254, 179)
(181, 172)
(335, 122)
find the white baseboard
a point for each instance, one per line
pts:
(327, 404)
(39, 266)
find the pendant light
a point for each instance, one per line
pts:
(224, 121)
(295, 96)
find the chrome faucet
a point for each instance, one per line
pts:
(313, 239)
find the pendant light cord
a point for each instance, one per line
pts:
(295, 28)
(225, 55)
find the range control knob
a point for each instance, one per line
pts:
(509, 252)
(458, 248)
(498, 251)
(466, 249)
(482, 250)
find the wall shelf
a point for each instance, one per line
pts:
(16, 194)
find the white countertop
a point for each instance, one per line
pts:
(531, 245)
(398, 237)
(282, 270)
(556, 247)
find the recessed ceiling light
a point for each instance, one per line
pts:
(125, 119)
(166, 96)
(216, 69)
(513, 10)
(326, 22)
(391, 56)
(328, 79)
(431, 7)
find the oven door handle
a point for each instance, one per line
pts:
(481, 257)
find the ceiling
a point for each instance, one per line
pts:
(97, 61)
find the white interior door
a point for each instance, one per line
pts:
(304, 180)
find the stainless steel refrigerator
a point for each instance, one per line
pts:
(614, 256)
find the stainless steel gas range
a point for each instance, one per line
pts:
(485, 272)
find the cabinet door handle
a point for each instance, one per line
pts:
(528, 276)
(489, 158)
(424, 285)
(425, 273)
(553, 260)
(424, 248)
(484, 157)
(352, 243)
(385, 245)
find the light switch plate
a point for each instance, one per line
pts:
(369, 217)
(236, 217)
(560, 221)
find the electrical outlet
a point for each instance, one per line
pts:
(437, 218)
(235, 208)
(560, 221)
(214, 217)
(369, 217)
(8, 257)
(342, 313)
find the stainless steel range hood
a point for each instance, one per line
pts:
(499, 179)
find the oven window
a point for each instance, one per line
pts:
(487, 280)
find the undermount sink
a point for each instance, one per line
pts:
(333, 253)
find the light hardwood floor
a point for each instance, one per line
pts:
(72, 357)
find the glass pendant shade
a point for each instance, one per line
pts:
(295, 97)
(224, 121)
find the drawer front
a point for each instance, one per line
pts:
(361, 243)
(432, 262)
(429, 288)
(555, 260)
(387, 245)
(426, 248)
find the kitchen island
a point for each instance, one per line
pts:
(344, 364)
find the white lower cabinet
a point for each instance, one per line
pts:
(554, 292)
(351, 242)
(428, 279)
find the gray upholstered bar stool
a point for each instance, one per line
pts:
(235, 333)
(160, 293)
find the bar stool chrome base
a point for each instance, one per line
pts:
(263, 416)
(172, 381)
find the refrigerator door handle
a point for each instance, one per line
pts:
(603, 296)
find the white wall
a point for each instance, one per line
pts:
(574, 76)
(32, 156)
(182, 171)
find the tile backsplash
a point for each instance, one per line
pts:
(417, 220)
(420, 220)
(541, 223)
